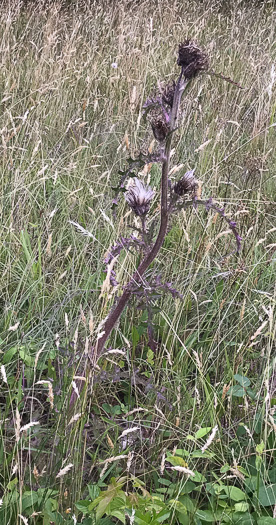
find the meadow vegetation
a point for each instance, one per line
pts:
(184, 433)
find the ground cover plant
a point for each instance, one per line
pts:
(171, 419)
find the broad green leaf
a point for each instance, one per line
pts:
(184, 519)
(202, 432)
(198, 478)
(188, 503)
(142, 518)
(29, 499)
(188, 487)
(12, 483)
(272, 475)
(182, 452)
(176, 461)
(117, 513)
(8, 355)
(225, 468)
(260, 447)
(242, 506)
(28, 360)
(206, 515)
(244, 381)
(234, 493)
(164, 481)
(266, 520)
(236, 391)
(90, 521)
(94, 491)
(242, 518)
(267, 495)
(200, 454)
(163, 515)
(83, 505)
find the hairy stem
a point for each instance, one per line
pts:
(115, 314)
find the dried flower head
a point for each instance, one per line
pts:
(139, 197)
(186, 184)
(191, 58)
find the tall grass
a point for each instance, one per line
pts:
(72, 84)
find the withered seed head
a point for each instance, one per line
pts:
(191, 58)
(186, 184)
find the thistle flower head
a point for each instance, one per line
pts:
(186, 184)
(139, 197)
(191, 58)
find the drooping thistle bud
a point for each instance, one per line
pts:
(191, 58)
(139, 197)
(160, 125)
(187, 184)
(168, 94)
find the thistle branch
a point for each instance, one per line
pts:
(115, 314)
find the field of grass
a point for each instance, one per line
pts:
(99, 444)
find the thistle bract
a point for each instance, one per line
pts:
(186, 184)
(139, 197)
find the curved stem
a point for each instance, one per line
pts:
(122, 302)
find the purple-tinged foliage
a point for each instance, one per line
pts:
(151, 289)
(232, 224)
(124, 243)
(137, 164)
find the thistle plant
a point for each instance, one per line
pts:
(162, 112)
